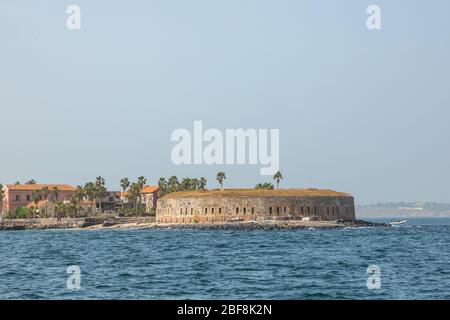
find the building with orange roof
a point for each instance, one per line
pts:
(21, 195)
(149, 197)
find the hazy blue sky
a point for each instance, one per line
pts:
(362, 111)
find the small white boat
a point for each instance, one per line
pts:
(396, 223)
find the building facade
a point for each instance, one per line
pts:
(251, 204)
(21, 195)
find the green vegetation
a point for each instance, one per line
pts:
(36, 197)
(221, 178)
(125, 184)
(278, 177)
(265, 185)
(173, 185)
(22, 213)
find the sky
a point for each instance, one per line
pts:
(362, 111)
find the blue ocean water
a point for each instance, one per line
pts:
(414, 260)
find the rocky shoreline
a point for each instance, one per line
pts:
(96, 223)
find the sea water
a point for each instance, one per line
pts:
(413, 259)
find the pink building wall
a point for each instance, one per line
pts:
(21, 198)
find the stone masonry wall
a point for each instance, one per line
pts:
(220, 209)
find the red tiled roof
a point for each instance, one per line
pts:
(38, 187)
(40, 204)
(149, 189)
(145, 189)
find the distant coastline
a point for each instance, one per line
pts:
(404, 210)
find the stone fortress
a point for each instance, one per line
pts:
(215, 206)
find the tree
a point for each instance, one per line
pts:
(89, 191)
(162, 183)
(186, 184)
(264, 186)
(62, 210)
(55, 193)
(173, 184)
(141, 181)
(220, 178)
(45, 192)
(100, 191)
(134, 193)
(35, 196)
(32, 181)
(125, 183)
(77, 197)
(202, 183)
(278, 177)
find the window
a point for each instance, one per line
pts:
(315, 210)
(301, 209)
(270, 210)
(284, 210)
(206, 210)
(17, 198)
(237, 210)
(220, 210)
(309, 210)
(332, 210)
(245, 210)
(181, 210)
(253, 210)
(212, 210)
(328, 210)
(192, 210)
(28, 198)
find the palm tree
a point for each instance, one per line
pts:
(186, 184)
(55, 194)
(125, 183)
(32, 181)
(195, 184)
(89, 191)
(202, 183)
(173, 184)
(220, 178)
(278, 177)
(141, 181)
(78, 196)
(162, 183)
(45, 192)
(35, 196)
(100, 191)
(134, 193)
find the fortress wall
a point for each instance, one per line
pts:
(220, 209)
